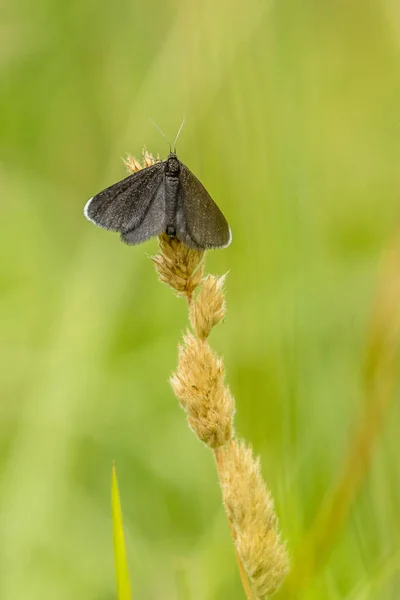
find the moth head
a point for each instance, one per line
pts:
(172, 166)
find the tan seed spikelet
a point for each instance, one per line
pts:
(199, 385)
(147, 158)
(209, 308)
(250, 509)
(179, 266)
(132, 164)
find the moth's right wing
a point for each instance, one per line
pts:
(200, 223)
(129, 204)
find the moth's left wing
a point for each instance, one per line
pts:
(153, 221)
(125, 205)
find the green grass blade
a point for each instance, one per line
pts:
(121, 566)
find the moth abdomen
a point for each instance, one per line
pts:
(171, 196)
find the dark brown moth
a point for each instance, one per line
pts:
(163, 198)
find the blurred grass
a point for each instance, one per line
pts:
(292, 124)
(120, 558)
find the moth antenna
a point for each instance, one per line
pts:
(162, 133)
(178, 134)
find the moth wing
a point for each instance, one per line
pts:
(200, 223)
(153, 221)
(124, 205)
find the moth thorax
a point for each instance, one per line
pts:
(172, 166)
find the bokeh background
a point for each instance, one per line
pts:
(293, 125)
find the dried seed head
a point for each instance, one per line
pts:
(132, 164)
(199, 385)
(147, 158)
(178, 266)
(209, 308)
(250, 509)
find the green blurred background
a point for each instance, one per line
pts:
(293, 125)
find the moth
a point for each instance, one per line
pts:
(163, 198)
